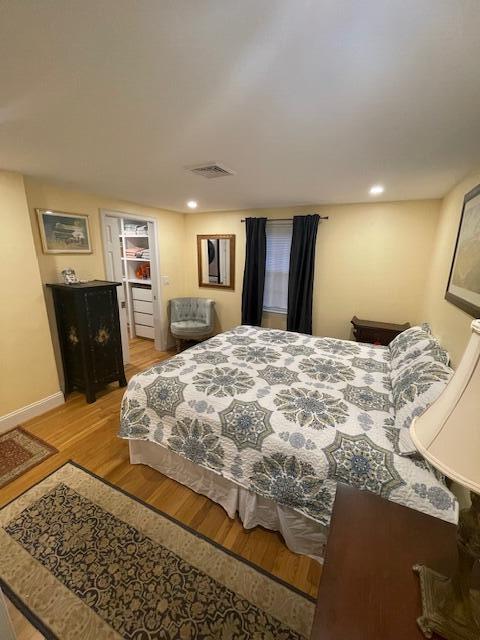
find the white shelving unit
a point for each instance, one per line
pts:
(135, 250)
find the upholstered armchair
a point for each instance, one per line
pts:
(191, 319)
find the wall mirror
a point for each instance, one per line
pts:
(216, 261)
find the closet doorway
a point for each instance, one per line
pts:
(131, 257)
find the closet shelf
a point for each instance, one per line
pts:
(138, 281)
(136, 261)
(133, 235)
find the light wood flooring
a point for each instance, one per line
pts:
(87, 434)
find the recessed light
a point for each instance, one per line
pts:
(192, 204)
(376, 190)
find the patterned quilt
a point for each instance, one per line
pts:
(287, 416)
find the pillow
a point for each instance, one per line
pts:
(411, 345)
(401, 441)
(416, 386)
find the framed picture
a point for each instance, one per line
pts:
(463, 288)
(64, 232)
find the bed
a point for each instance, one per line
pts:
(267, 422)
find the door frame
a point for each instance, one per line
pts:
(160, 339)
(111, 270)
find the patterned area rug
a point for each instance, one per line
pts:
(19, 452)
(82, 559)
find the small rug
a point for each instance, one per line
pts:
(19, 452)
(82, 559)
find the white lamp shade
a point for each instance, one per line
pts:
(447, 434)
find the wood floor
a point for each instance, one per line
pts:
(87, 434)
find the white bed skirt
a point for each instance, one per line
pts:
(301, 534)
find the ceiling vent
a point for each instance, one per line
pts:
(211, 170)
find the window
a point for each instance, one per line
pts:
(279, 240)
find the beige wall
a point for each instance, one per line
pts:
(25, 334)
(45, 195)
(27, 371)
(90, 266)
(449, 323)
(372, 260)
(386, 261)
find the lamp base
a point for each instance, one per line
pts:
(440, 613)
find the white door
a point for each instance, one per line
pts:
(113, 260)
(160, 338)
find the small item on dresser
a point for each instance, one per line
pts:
(89, 333)
(69, 276)
(376, 332)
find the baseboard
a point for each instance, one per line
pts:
(30, 411)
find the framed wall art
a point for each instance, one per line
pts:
(463, 289)
(64, 232)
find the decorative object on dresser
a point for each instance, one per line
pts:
(216, 261)
(69, 276)
(191, 319)
(447, 434)
(89, 334)
(463, 289)
(64, 232)
(376, 332)
(368, 590)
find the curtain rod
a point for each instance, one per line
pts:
(285, 219)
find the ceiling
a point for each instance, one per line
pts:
(307, 101)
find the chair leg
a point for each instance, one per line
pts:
(178, 344)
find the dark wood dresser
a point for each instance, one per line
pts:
(376, 332)
(89, 334)
(368, 590)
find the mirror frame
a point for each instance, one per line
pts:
(217, 236)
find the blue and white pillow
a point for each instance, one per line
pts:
(412, 345)
(416, 385)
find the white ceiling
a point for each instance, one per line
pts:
(307, 101)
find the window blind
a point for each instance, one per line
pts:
(279, 240)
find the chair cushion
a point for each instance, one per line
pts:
(188, 328)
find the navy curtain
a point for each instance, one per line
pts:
(254, 274)
(300, 277)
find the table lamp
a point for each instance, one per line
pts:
(447, 434)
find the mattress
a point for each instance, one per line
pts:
(285, 416)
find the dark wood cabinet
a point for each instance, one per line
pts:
(376, 332)
(368, 590)
(89, 334)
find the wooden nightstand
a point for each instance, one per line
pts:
(368, 590)
(376, 332)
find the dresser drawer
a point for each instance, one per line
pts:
(140, 293)
(143, 318)
(144, 332)
(143, 306)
